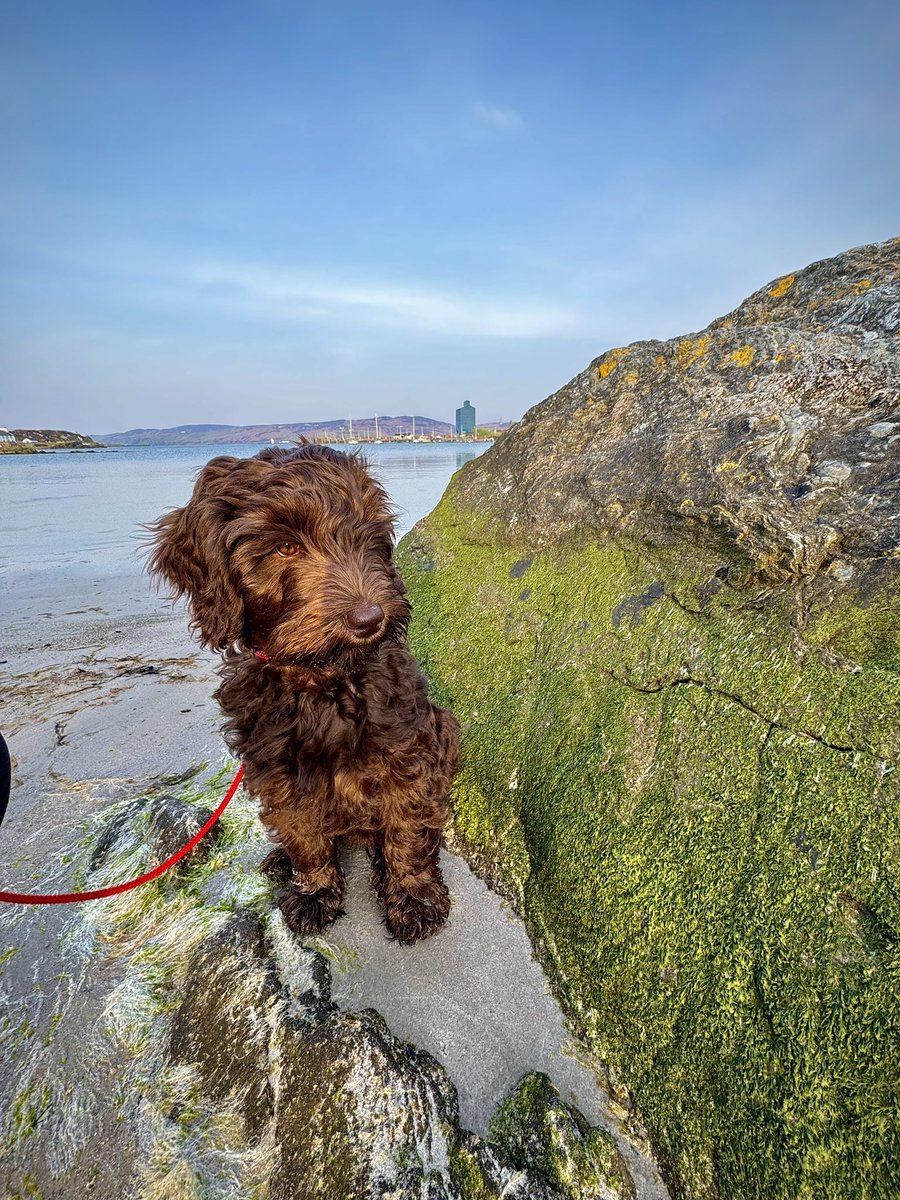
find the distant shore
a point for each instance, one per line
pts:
(322, 441)
(381, 429)
(13, 449)
(38, 441)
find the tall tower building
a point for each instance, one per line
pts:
(465, 419)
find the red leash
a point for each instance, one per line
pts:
(101, 893)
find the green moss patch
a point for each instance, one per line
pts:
(689, 788)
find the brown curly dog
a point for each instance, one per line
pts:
(286, 560)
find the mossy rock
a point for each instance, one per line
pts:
(538, 1132)
(665, 608)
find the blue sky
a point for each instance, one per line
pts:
(286, 211)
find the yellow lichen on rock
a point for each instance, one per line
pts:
(611, 360)
(744, 357)
(782, 285)
(688, 351)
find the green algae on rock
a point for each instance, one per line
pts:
(551, 1139)
(665, 608)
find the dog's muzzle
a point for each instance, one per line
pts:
(364, 619)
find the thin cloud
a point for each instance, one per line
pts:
(505, 119)
(285, 295)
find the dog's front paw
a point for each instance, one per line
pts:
(378, 875)
(411, 918)
(309, 912)
(277, 865)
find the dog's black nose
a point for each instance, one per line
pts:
(364, 619)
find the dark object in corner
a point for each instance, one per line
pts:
(5, 777)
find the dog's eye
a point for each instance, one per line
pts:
(287, 549)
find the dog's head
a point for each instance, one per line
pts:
(289, 552)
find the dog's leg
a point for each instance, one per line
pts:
(408, 882)
(277, 865)
(315, 895)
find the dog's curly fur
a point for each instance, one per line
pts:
(289, 553)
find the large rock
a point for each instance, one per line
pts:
(665, 608)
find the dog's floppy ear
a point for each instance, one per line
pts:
(189, 552)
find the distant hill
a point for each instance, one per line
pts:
(30, 441)
(333, 431)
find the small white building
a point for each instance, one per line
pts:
(5, 435)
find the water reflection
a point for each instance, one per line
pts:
(415, 477)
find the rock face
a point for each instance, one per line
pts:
(665, 607)
(770, 435)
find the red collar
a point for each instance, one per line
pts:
(281, 662)
(287, 662)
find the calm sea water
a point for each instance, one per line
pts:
(72, 516)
